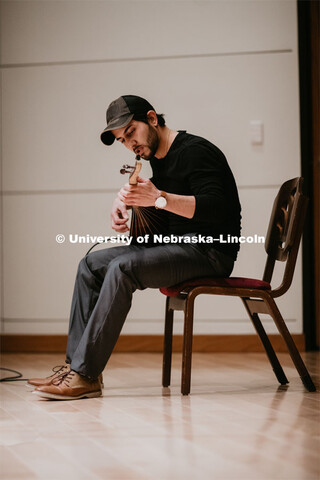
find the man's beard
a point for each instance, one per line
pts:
(152, 143)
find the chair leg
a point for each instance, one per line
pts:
(294, 353)
(187, 347)
(281, 377)
(167, 346)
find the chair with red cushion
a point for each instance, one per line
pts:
(282, 244)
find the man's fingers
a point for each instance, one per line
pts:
(128, 199)
(142, 180)
(119, 228)
(123, 195)
(119, 220)
(119, 216)
(122, 214)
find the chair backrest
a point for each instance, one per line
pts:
(284, 232)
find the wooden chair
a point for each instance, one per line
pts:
(282, 244)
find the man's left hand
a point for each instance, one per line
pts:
(144, 194)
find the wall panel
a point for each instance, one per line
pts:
(53, 116)
(55, 31)
(39, 273)
(211, 67)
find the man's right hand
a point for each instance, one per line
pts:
(119, 216)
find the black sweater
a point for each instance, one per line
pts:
(194, 166)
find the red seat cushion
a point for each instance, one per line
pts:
(231, 282)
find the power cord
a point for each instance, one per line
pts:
(15, 378)
(91, 248)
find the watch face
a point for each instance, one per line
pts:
(161, 202)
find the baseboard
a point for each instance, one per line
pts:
(151, 343)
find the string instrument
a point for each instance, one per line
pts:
(144, 220)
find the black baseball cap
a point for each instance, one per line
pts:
(120, 112)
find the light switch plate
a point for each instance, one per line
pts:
(256, 132)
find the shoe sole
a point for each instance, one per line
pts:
(30, 386)
(66, 397)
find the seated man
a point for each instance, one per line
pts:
(193, 186)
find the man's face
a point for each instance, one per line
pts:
(140, 137)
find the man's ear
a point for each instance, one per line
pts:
(152, 118)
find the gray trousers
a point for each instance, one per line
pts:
(105, 283)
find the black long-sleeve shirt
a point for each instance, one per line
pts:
(194, 166)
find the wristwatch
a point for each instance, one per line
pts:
(161, 201)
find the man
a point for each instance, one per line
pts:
(193, 186)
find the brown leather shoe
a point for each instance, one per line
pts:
(70, 386)
(57, 371)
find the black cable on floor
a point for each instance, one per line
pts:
(17, 377)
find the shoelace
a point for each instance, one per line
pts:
(59, 368)
(63, 377)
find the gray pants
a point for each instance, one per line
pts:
(105, 282)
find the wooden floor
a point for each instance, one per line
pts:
(236, 424)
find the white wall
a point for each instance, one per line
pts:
(211, 66)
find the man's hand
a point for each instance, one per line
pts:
(144, 194)
(119, 216)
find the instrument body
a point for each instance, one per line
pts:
(145, 221)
